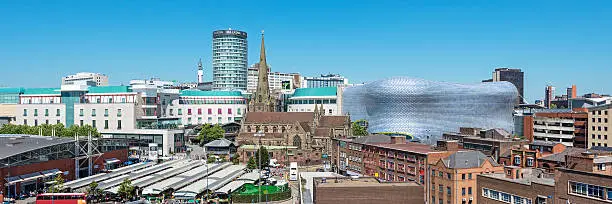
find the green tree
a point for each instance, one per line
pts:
(358, 129)
(58, 186)
(210, 133)
(553, 106)
(265, 157)
(211, 159)
(47, 130)
(93, 189)
(251, 164)
(126, 190)
(235, 160)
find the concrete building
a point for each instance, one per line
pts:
(514, 76)
(600, 126)
(230, 50)
(549, 94)
(306, 100)
(195, 107)
(571, 92)
(168, 141)
(515, 185)
(325, 80)
(453, 178)
(92, 79)
(365, 190)
(278, 82)
(565, 126)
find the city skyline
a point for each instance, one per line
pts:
(551, 43)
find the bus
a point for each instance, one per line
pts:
(293, 171)
(61, 198)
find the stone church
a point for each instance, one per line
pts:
(303, 137)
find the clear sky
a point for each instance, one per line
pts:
(556, 42)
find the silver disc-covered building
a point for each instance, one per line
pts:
(424, 108)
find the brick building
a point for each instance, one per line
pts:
(600, 122)
(28, 161)
(568, 127)
(453, 178)
(516, 185)
(492, 142)
(308, 134)
(365, 190)
(529, 155)
(582, 187)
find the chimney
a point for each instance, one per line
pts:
(398, 140)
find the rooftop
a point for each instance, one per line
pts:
(278, 117)
(14, 144)
(109, 89)
(409, 147)
(38, 91)
(321, 91)
(219, 143)
(9, 90)
(190, 92)
(359, 182)
(529, 176)
(560, 157)
(467, 159)
(268, 147)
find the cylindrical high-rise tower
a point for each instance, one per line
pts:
(229, 60)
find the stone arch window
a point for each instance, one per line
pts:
(274, 129)
(283, 129)
(257, 128)
(266, 129)
(297, 142)
(249, 129)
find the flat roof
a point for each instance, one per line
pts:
(409, 147)
(14, 144)
(528, 178)
(359, 182)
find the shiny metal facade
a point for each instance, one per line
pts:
(425, 108)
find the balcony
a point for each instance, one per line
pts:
(561, 128)
(551, 135)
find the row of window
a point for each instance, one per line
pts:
(325, 101)
(179, 111)
(590, 191)
(57, 112)
(599, 120)
(81, 123)
(464, 191)
(599, 128)
(599, 144)
(599, 137)
(448, 175)
(504, 197)
(93, 124)
(307, 110)
(93, 112)
(605, 112)
(517, 161)
(210, 120)
(212, 101)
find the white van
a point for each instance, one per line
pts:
(293, 171)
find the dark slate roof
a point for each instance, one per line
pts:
(14, 144)
(560, 157)
(544, 143)
(219, 143)
(467, 159)
(373, 139)
(332, 121)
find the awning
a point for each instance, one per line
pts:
(51, 172)
(111, 161)
(12, 180)
(31, 176)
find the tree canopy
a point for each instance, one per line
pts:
(58, 185)
(210, 133)
(265, 157)
(47, 130)
(126, 190)
(358, 129)
(251, 164)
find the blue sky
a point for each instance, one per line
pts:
(556, 42)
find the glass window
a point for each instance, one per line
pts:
(105, 124)
(119, 112)
(25, 112)
(180, 111)
(209, 111)
(505, 197)
(46, 112)
(118, 124)
(81, 112)
(219, 111)
(105, 112)
(93, 112)
(35, 112)
(462, 191)
(470, 176)
(462, 176)
(57, 112)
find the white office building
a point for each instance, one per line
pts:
(195, 107)
(305, 100)
(283, 82)
(92, 79)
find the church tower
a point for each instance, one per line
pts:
(261, 100)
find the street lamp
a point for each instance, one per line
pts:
(259, 134)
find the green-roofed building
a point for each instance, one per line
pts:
(10, 95)
(305, 99)
(109, 89)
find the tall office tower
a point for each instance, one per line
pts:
(229, 60)
(571, 92)
(200, 73)
(549, 94)
(514, 76)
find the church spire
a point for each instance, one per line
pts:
(262, 102)
(200, 64)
